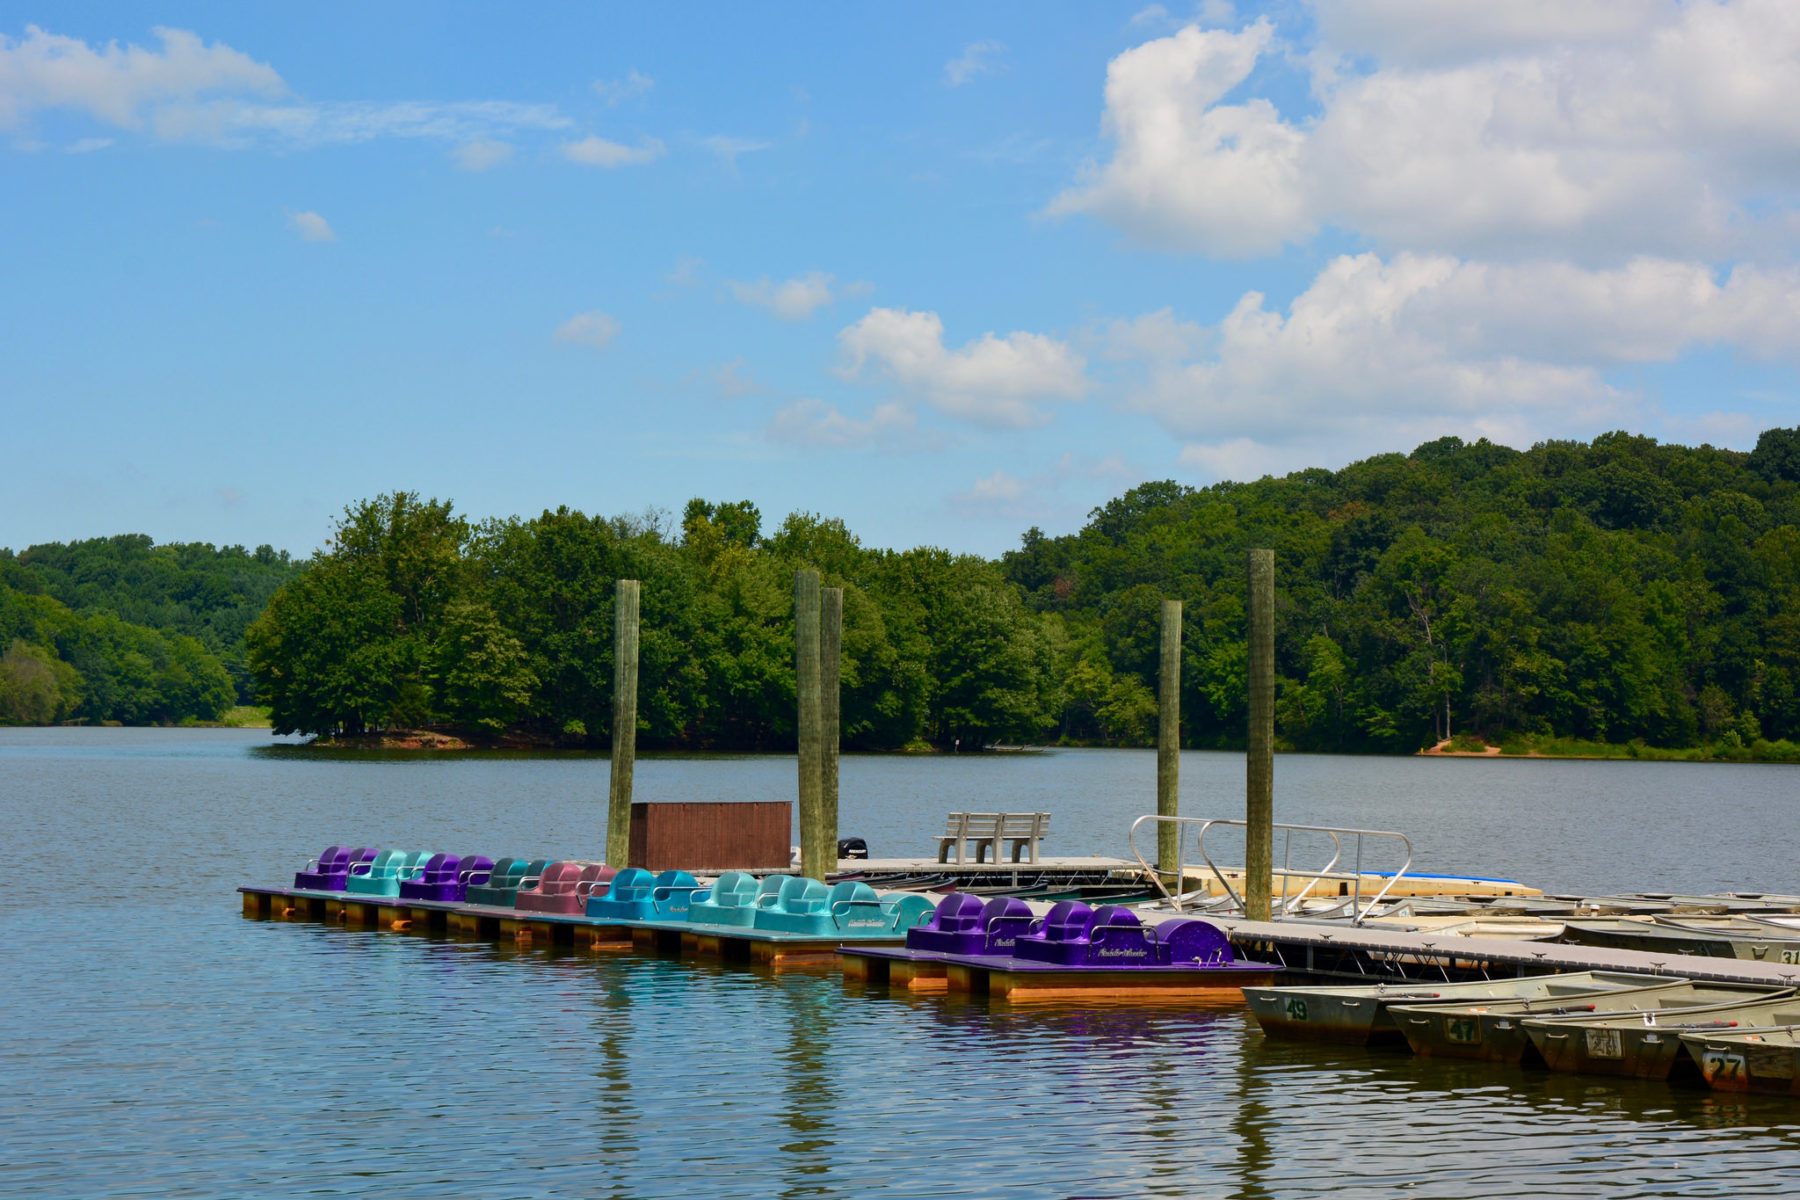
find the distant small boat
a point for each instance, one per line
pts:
(1647, 1044)
(1494, 1030)
(1763, 1060)
(1362, 1014)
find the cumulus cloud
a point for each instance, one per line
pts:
(1383, 353)
(976, 57)
(482, 154)
(1520, 130)
(794, 299)
(617, 91)
(311, 226)
(117, 84)
(595, 151)
(595, 329)
(991, 381)
(818, 425)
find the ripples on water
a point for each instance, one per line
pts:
(153, 1043)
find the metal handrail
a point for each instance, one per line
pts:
(1289, 903)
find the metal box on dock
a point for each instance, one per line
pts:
(708, 835)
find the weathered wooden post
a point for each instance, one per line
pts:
(1168, 744)
(624, 731)
(1259, 773)
(831, 651)
(806, 696)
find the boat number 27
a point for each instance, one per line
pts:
(1295, 1008)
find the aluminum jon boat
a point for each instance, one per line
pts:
(1494, 1030)
(1359, 1013)
(1647, 1044)
(1762, 1060)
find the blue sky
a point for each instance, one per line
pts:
(944, 271)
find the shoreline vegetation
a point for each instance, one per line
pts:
(1621, 598)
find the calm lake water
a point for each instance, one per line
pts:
(153, 1043)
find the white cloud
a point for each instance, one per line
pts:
(816, 424)
(1379, 354)
(728, 148)
(311, 226)
(976, 58)
(794, 299)
(617, 91)
(483, 154)
(1150, 14)
(992, 381)
(1518, 130)
(189, 91)
(1188, 170)
(594, 329)
(594, 151)
(116, 84)
(686, 272)
(87, 145)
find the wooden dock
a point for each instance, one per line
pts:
(1345, 953)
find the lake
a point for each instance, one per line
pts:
(153, 1043)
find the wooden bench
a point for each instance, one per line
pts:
(984, 832)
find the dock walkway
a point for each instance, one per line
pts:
(1348, 953)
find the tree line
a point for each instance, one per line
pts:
(1618, 591)
(123, 630)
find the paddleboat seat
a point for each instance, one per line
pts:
(437, 881)
(799, 907)
(636, 895)
(733, 901)
(962, 924)
(327, 872)
(561, 888)
(505, 879)
(476, 869)
(381, 875)
(1064, 935)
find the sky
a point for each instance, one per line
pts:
(945, 271)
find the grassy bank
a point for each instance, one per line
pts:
(1727, 748)
(242, 716)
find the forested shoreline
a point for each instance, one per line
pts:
(1622, 596)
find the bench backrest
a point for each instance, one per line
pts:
(1024, 825)
(954, 823)
(982, 824)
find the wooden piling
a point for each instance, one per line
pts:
(624, 732)
(1259, 773)
(1168, 741)
(831, 649)
(806, 696)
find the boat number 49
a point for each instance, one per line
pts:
(1295, 1008)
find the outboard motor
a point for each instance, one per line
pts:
(852, 847)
